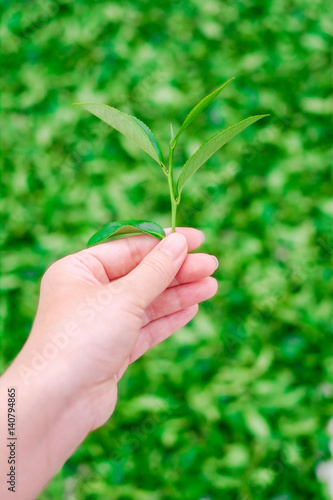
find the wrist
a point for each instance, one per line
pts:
(65, 382)
(52, 420)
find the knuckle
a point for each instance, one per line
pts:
(149, 337)
(135, 301)
(158, 267)
(151, 312)
(54, 270)
(50, 271)
(179, 297)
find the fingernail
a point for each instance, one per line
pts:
(174, 245)
(216, 262)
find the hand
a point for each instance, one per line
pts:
(99, 310)
(115, 301)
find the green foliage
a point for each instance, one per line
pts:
(236, 405)
(130, 126)
(114, 230)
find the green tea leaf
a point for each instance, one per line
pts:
(151, 136)
(209, 148)
(129, 126)
(115, 230)
(200, 107)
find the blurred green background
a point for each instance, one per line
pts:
(236, 405)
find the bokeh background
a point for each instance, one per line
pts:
(236, 405)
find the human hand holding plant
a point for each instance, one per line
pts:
(133, 292)
(136, 130)
(99, 310)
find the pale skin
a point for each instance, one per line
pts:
(99, 310)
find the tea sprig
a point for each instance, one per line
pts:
(134, 129)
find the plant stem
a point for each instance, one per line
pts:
(173, 200)
(173, 216)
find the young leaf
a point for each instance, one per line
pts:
(129, 126)
(115, 230)
(200, 107)
(209, 148)
(151, 136)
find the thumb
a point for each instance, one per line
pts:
(156, 271)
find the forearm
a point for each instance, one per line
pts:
(49, 425)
